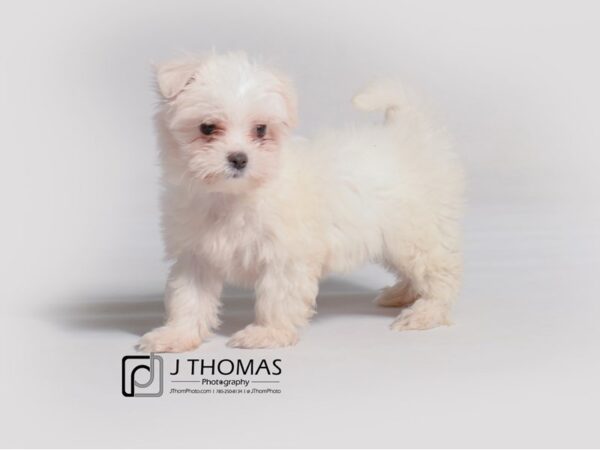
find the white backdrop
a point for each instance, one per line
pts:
(517, 83)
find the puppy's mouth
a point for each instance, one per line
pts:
(236, 173)
(214, 177)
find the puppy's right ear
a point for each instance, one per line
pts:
(174, 75)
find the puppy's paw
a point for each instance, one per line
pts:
(257, 336)
(399, 294)
(422, 315)
(169, 339)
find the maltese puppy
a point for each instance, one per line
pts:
(245, 204)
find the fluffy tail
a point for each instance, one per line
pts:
(392, 97)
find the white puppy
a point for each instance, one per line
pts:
(245, 204)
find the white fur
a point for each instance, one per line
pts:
(390, 194)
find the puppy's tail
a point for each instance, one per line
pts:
(399, 103)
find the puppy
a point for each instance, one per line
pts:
(245, 204)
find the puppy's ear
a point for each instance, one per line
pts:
(173, 76)
(287, 91)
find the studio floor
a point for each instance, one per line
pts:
(519, 368)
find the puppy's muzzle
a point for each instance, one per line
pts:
(237, 160)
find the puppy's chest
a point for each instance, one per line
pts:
(234, 241)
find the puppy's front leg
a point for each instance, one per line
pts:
(192, 303)
(285, 300)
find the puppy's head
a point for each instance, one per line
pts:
(227, 118)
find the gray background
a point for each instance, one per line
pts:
(82, 269)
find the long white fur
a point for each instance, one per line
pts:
(389, 193)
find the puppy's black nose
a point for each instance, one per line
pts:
(237, 160)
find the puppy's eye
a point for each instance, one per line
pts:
(261, 130)
(207, 129)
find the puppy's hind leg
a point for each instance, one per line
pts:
(400, 294)
(434, 274)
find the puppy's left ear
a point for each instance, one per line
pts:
(286, 90)
(173, 76)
